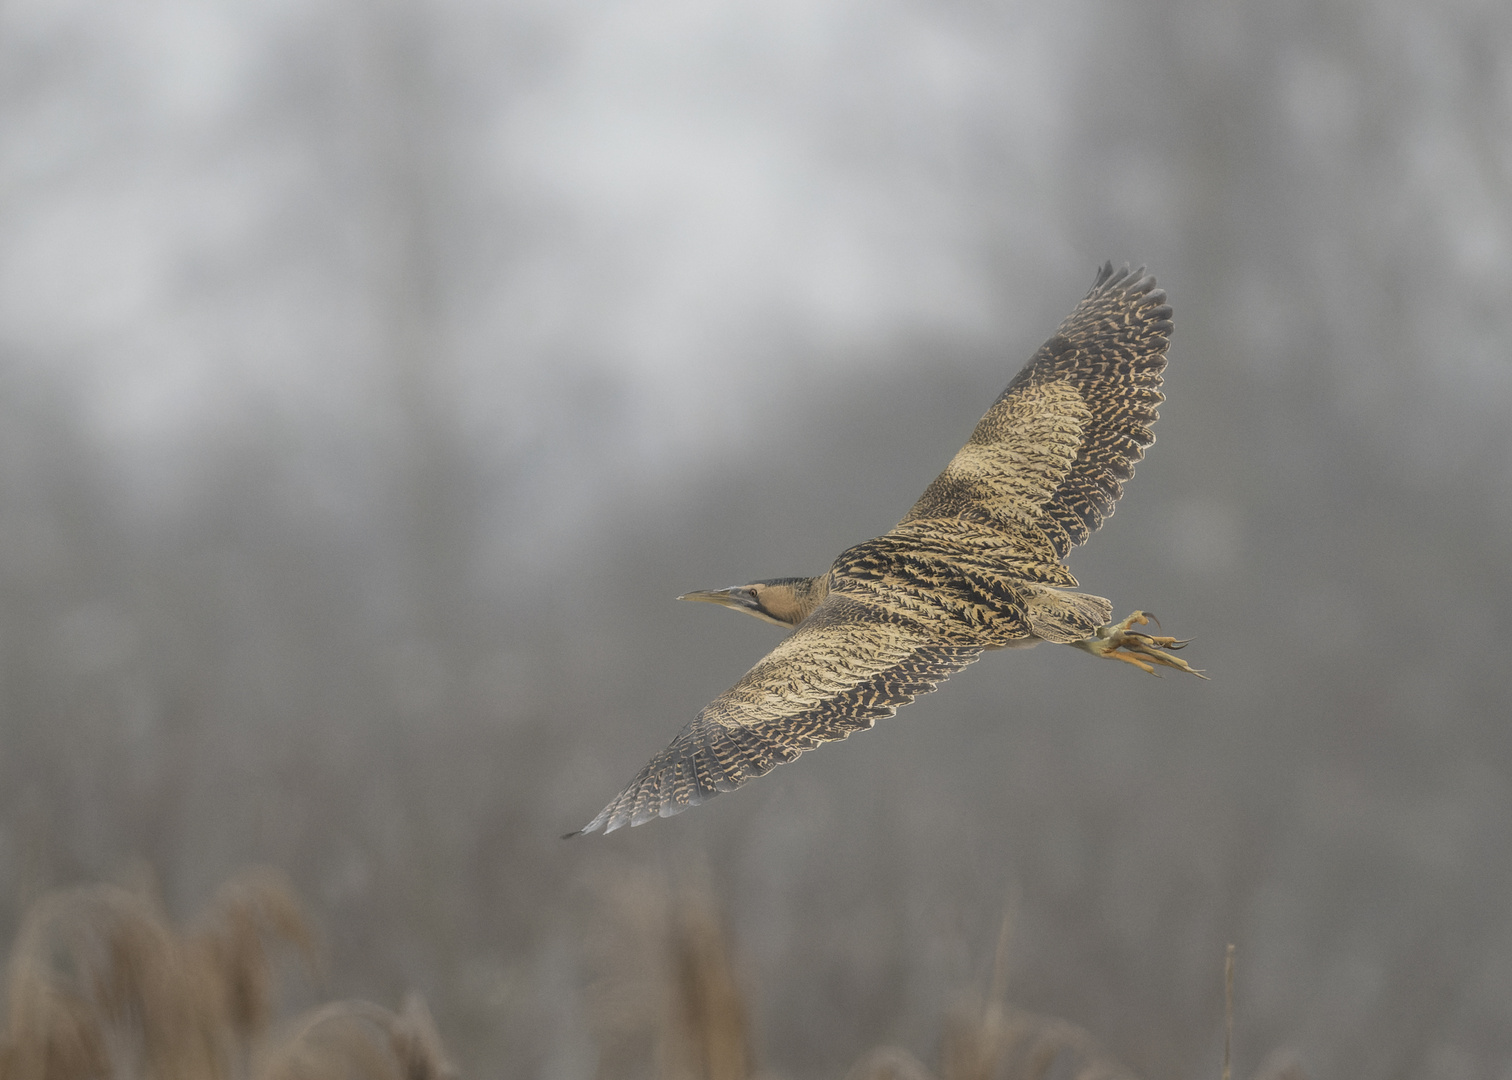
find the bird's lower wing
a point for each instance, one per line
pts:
(846, 667)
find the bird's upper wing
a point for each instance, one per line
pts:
(1048, 461)
(846, 666)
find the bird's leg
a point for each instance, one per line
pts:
(1118, 642)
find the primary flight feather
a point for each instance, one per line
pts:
(975, 565)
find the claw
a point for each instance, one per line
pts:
(1119, 642)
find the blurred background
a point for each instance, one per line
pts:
(373, 375)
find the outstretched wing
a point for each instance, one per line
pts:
(845, 667)
(1048, 461)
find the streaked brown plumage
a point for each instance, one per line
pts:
(975, 565)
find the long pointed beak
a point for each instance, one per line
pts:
(739, 598)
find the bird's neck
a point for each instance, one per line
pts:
(793, 601)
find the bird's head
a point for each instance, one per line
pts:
(782, 601)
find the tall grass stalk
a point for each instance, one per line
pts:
(665, 999)
(1228, 1009)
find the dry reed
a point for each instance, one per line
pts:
(357, 1040)
(101, 985)
(666, 1004)
(98, 978)
(988, 1039)
(665, 1001)
(1282, 1064)
(1228, 1010)
(715, 1035)
(999, 1042)
(229, 945)
(888, 1063)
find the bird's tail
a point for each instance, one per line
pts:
(1062, 616)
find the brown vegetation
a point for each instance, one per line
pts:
(357, 1040)
(666, 1002)
(100, 984)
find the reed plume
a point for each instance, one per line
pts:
(97, 978)
(985, 1038)
(1000, 1042)
(357, 1040)
(888, 1063)
(229, 946)
(988, 1039)
(100, 983)
(665, 1000)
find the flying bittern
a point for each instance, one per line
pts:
(975, 565)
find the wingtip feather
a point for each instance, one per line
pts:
(1131, 282)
